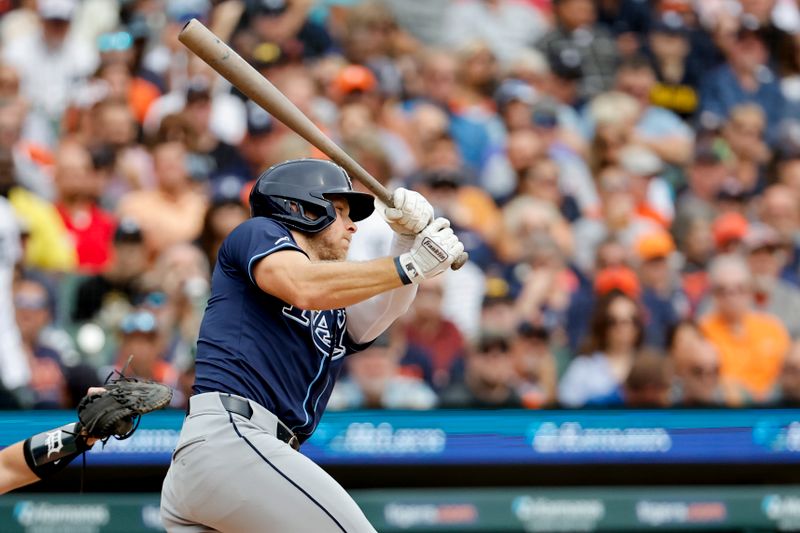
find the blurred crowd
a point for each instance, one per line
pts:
(625, 175)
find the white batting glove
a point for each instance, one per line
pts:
(410, 214)
(434, 250)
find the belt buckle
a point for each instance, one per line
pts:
(286, 435)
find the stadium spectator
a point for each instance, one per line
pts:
(649, 381)
(788, 390)
(541, 181)
(619, 219)
(171, 213)
(577, 39)
(34, 309)
(100, 296)
(488, 377)
(79, 186)
(743, 133)
(705, 176)
(374, 381)
(662, 297)
(744, 77)
(498, 308)
(51, 60)
(657, 128)
(651, 193)
(544, 284)
(505, 25)
(428, 329)
(178, 287)
(751, 344)
(535, 366)
(779, 208)
(697, 380)
(596, 377)
(47, 245)
(225, 213)
(766, 256)
(677, 69)
(139, 337)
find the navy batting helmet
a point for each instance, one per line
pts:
(297, 193)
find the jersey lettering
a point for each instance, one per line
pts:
(320, 323)
(300, 316)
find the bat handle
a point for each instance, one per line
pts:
(460, 260)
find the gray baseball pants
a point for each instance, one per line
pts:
(231, 474)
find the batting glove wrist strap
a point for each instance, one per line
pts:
(50, 451)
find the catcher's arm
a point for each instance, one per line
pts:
(42, 455)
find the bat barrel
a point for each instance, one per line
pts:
(231, 66)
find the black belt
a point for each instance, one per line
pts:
(243, 408)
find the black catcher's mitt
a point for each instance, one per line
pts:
(115, 411)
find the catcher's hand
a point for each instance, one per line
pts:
(114, 410)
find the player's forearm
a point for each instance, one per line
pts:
(332, 285)
(14, 473)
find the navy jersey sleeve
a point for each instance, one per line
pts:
(254, 240)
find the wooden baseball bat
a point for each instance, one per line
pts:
(230, 65)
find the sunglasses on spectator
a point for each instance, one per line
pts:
(32, 303)
(699, 371)
(770, 249)
(628, 320)
(493, 347)
(730, 290)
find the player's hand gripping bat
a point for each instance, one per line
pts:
(230, 65)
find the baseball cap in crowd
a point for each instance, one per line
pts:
(788, 142)
(544, 115)
(226, 190)
(640, 161)
(354, 78)
(497, 291)
(56, 9)
(128, 231)
(114, 41)
(267, 54)
(270, 8)
(566, 63)
(760, 236)
(185, 10)
(512, 90)
(442, 178)
(259, 122)
(728, 229)
(671, 23)
(655, 245)
(198, 88)
(618, 278)
(706, 154)
(138, 322)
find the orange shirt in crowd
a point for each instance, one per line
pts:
(753, 356)
(165, 220)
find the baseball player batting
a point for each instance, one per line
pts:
(285, 310)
